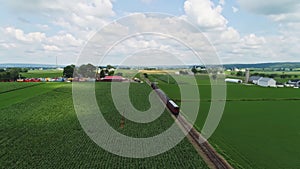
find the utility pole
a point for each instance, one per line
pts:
(122, 125)
(56, 62)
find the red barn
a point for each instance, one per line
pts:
(113, 79)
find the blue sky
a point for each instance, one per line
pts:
(36, 31)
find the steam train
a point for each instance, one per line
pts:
(172, 106)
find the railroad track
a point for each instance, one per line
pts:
(208, 150)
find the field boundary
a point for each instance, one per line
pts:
(20, 88)
(214, 157)
(240, 100)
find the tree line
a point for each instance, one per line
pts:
(273, 75)
(11, 74)
(88, 70)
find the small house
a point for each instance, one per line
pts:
(294, 83)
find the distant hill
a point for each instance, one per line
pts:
(291, 65)
(21, 65)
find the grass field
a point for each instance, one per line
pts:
(39, 129)
(9, 86)
(260, 126)
(51, 73)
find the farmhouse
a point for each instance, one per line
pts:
(234, 80)
(254, 79)
(295, 83)
(266, 82)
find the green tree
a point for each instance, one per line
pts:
(111, 73)
(14, 74)
(87, 70)
(102, 73)
(194, 70)
(9, 74)
(240, 73)
(69, 71)
(110, 67)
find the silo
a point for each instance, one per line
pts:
(247, 75)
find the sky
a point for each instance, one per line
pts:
(240, 31)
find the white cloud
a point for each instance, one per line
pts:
(230, 35)
(43, 27)
(21, 36)
(75, 21)
(147, 1)
(205, 14)
(98, 8)
(222, 2)
(253, 41)
(278, 10)
(235, 9)
(8, 45)
(51, 48)
(269, 7)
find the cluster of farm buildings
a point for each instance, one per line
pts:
(266, 82)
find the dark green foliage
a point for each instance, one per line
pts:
(145, 75)
(69, 71)
(102, 73)
(111, 73)
(86, 71)
(11, 74)
(110, 67)
(240, 73)
(194, 70)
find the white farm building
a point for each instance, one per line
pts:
(266, 82)
(254, 79)
(234, 80)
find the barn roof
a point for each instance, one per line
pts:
(265, 79)
(295, 80)
(113, 78)
(254, 78)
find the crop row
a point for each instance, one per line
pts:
(44, 132)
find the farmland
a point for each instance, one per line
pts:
(279, 76)
(39, 129)
(7, 87)
(260, 126)
(50, 73)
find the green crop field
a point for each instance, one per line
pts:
(50, 73)
(10, 86)
(259, 128)
(39, 129)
